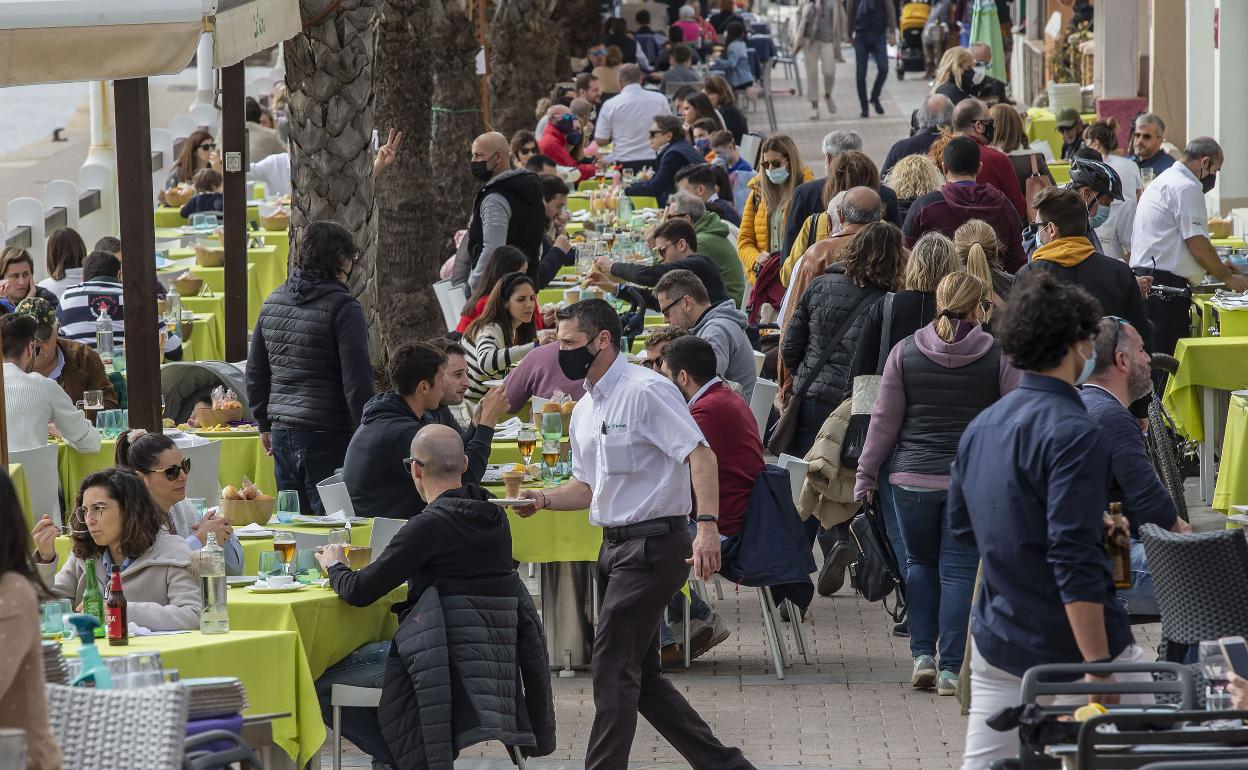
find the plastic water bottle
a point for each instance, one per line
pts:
(104, 336)
(173, 310)
(214, 618)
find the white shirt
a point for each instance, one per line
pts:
(73, 277)
(1115, 234)
(625, 120)
(631, 435)
(31, 401)
(274, 171)
(1171, 210)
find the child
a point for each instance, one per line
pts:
(208, 184)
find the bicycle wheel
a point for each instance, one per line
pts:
(1162, 446)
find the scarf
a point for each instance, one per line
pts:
(1066, 252)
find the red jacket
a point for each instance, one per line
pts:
(729, 427)
(999, 172)
(554, 146)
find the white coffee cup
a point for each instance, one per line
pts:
(280, 581)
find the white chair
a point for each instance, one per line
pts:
(28, 212)
(43, 482)
(450, 315)
(797, 468)
(759, 359)
(206, 115)
(749, 147)
(182, 126)
(334, 495)
(761, 400)
(204, 480)
(162, 142)
(458, 298)
(384, 531)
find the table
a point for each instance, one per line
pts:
(1232, 484)
(17, 475)
(168, 216)
(1206, 365)
(272, 666)
(1230, 323)
(241, 455)
(1042, 127)
(269, 268)
(214, 279)
(361, 534)
(329, 628)
(273, 268)
(205, 343)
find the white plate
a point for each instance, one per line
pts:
(240, 580)
(243, 535)
(512, 502)
(259, 589)
(320, 521)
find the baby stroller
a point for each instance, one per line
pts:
(910, 45)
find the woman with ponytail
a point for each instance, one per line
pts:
(935, 382)
(979, 250)
(165, 471)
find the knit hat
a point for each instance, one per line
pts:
(41, 310)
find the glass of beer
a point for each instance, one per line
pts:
(550, 462)
(341, 537)
(526, 441)
(284, 544)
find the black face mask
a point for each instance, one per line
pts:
(1208, 181)
(575, 363)
(481, 170)
(990, 131)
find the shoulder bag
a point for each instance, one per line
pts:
(866, 391)
(875, 572)
(786, 426)
(1035, 183)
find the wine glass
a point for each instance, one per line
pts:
(284, 545)
(550, 461)
(552, 426)
(270, 564)
(526, 442)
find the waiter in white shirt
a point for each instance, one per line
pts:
(1170, 239)
(635, 449)
(624, 120)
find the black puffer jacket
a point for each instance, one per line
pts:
(822, 307)
(308, 368)
(469, 665)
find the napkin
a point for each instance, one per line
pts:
(507, 429)
(136, 630)
(251, 529)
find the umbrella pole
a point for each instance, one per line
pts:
(234, 139)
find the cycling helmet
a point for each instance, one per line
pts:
(1096, 175)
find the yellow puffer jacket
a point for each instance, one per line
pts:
(752, 240)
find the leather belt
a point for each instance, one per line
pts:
(646, 529)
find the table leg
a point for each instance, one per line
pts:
(1207, 410)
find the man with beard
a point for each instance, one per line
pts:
(1121, 376)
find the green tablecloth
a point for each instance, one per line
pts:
(254, 546)
(214, 309)
(1042, 126)
(241, 455)
(205, 343)
(1214, 362)
(270, 664)
(214, 279)
(17, 475)
(270, 259)
(329, 628)
(1230, 323)
(168, 216)
(1232, 484)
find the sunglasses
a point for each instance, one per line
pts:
(666, 309)
(528, 150)
(655, 132)
(598, 52)
(209, 146)
(409, 461)
(1118, 324)
(173, 471)
(772, 164)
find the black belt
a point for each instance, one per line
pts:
(646, 529)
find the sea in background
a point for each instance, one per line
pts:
(31, 113)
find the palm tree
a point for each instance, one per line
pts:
(524, 43)
(329, 76)
(580, 26)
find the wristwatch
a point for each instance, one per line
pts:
(707, 517)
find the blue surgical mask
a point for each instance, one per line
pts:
(1098, 219)
(1088, 365)
(703, 145)
(778, 175)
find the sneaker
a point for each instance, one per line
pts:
(707, 634)
(947, 683)
(827, 99)
(924, 674)
(901, 630)
(879, 108)
(832, 573)
(864, 113)
(672, 655)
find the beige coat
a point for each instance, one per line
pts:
(828, 492)
(22, 703)
(162, 593)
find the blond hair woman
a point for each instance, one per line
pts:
(955, 76)
(934, 383)
(979, 251)
(911, 178)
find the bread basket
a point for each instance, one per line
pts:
(189, 287)
(210, 418)
(244, 512)
(278, 220)
(209, 256)
(179, 196)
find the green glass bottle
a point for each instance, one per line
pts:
(92, 598)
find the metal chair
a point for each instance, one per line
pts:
(1199, 764)
(205, 759)
(1126, 743)
(142, 729)
(1196, 579)
(42, 481)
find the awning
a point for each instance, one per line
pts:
(53, 41)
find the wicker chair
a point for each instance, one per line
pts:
(142, 729)
(1199, 581)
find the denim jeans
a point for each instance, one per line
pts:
(940, 575)
(698, 610)
(301, 458)
(888, 506)
(1140, 600)
(366, 667)
(870, 46)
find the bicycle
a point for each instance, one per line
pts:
(1166, 445)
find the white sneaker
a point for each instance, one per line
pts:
(814, 112)
(924, 675)
(702, 641)
(831, 104)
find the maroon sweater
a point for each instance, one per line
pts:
(955, 204)
(729, 427)
(997, 170)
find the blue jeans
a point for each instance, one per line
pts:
(301, 458)
(940, 576)
(698, 610)
(888, 506)
(867, 45)
(1140, 600)
(366, 667)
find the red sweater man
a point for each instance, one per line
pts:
(561, 130)
(729, 426)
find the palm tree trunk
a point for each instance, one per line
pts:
(580, 24)
(329, 75)
(524, 45)
(408, 257)
(456, 120)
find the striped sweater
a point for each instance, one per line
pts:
(489, 359)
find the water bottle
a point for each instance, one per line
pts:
(623, 209)
(173, 310)
(104, 336)
(214, 618)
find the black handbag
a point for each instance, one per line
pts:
(875, 572)
(866, 391)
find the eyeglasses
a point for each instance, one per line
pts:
(664, 310)
(209, 146)
(528, 151)
(80, 514)
(171, 473)
(1118, 324)
(656, 131)
(598, 52)
(1142, 135)
(409, 461)
(772, 164)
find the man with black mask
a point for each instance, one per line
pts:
(1170, 239)
(509, 210)
(971, 118)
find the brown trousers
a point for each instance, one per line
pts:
(638, 579)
